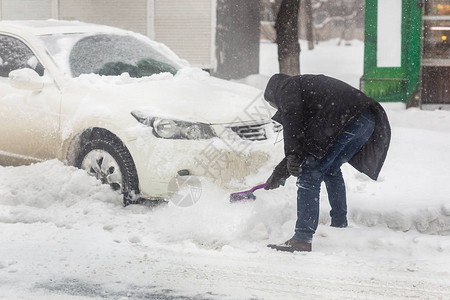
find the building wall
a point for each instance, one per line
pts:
(188, 29)
(130, 14)
(25, 9)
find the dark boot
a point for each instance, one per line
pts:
(339, 224)
(292, 245)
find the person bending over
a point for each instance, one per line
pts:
(326, 123)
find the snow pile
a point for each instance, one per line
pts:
(47, 189)
(412, 192)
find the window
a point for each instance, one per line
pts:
(436, 39)
(389, 33)
(110, 54)
(14, 54)
(437, 7)
(436, 52)
(436, 31)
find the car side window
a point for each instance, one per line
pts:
(14, 54)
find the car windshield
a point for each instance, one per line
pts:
(107, 54)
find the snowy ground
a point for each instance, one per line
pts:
(65, 236)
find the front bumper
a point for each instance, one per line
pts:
(225, 160)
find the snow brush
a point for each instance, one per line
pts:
(246, 195)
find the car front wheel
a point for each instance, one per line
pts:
(110, 162)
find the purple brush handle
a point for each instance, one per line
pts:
(260, 186)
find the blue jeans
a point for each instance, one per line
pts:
(328, 169)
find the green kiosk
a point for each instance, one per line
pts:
(407, 52)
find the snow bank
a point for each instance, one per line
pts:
(40, 192)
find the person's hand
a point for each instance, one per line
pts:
(274, 181)
(293, 164)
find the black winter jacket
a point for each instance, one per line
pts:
(315, 109)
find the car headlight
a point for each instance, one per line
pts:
(175, 129)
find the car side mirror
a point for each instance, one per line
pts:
(26, 79)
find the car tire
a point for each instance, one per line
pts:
(109, 160)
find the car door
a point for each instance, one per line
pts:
(29, 119)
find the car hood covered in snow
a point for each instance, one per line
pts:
(191, 95)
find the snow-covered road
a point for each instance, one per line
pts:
(67, 242)
(66, 236)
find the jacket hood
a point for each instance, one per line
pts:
(274, 87)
